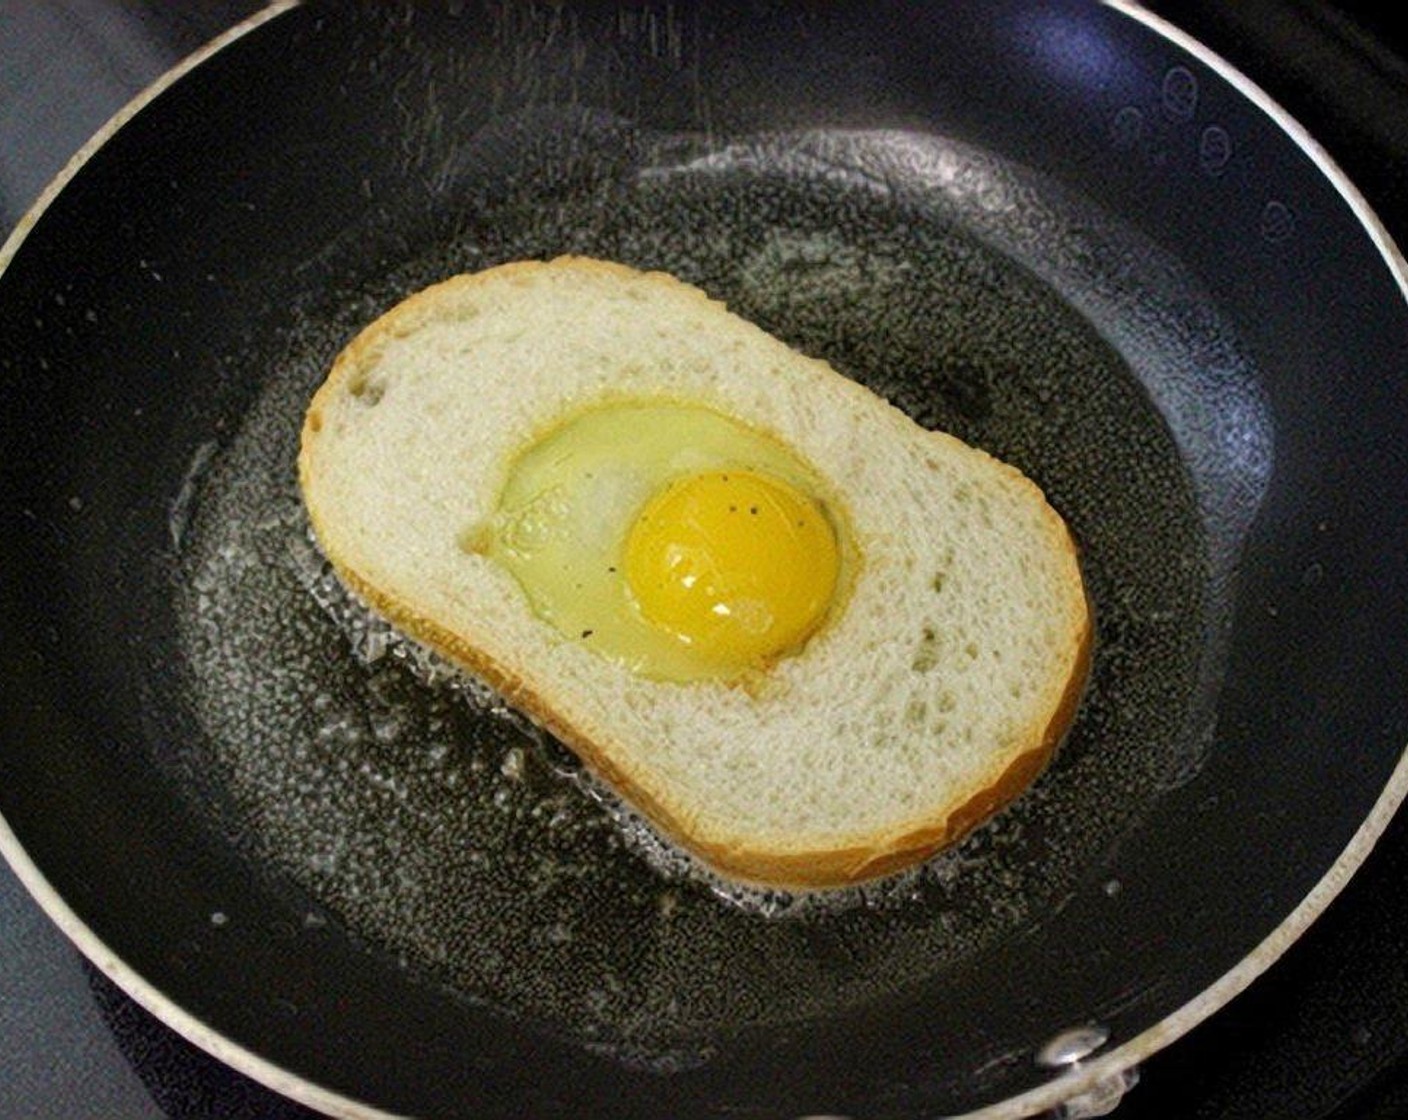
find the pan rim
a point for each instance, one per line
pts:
(149, 93)
(1082, 1077)
(147, 995)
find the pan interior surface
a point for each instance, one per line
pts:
(326, 845)
(440, 828)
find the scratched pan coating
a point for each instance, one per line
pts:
(364, 869)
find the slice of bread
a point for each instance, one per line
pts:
(935, 697)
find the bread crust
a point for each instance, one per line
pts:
(769, 861)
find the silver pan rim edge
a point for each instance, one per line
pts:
(136, 986)
(1103, 1070)
(1109, 1067)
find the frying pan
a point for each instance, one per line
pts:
(1061, 231)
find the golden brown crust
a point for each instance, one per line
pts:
(844, 862)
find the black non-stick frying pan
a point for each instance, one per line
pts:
(1058, 230)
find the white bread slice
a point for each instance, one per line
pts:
(936, 696)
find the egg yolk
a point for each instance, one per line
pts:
(737, 565)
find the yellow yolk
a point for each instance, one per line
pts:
(739, 566)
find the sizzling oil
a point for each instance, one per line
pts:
(414, 808)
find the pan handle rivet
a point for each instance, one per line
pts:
(1066, 1052)
(1072, 1046)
